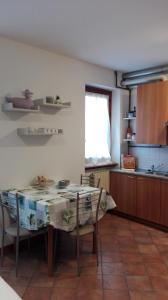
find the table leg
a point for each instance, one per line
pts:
(50, 250)
(94, 240)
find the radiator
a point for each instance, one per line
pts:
(104, 178)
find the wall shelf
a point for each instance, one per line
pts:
(128, 140)
(29, 131)
(10, 108)
(130, 118)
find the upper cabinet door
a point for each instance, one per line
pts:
(152, 113)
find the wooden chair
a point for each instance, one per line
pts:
(90, 179)
(14, 230)
(90, 204)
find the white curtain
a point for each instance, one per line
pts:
(97, 129)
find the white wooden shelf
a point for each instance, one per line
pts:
(39, 102)
(130, 118)
(29, 131)
(128, 140)
(42, 102)
(9, 108)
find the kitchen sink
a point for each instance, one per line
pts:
(149, 172)
(159, 173)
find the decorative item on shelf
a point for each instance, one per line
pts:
(50, 99)
(133, 136)
(39, 131)
(57, 100)
(128, 162)
(131, 114)
(28, 94)
(129, 133)
(60, 131)
(19, 102)
(14, 103)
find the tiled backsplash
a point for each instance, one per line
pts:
(146, 157)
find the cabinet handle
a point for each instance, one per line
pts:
(132, 177)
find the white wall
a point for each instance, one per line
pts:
(44, 73)
(116, 126)
(120, 105)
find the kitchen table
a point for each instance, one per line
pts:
(55, 208)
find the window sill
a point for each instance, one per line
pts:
(105, 166)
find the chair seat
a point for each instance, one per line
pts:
(85, 229)
(12, 230)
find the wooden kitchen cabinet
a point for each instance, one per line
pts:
(152, 113)
(140, 196)
(123, 191)
(148, 199)
(128, 194)
(115, 188)
(164, 203)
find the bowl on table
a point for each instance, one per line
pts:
(63, 183)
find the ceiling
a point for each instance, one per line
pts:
(120, 34)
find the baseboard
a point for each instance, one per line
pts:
(139, 220)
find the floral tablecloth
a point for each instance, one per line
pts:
(40, 207)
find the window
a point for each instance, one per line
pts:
(97, 127)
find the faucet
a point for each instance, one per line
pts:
(157, 168)
(152, 168)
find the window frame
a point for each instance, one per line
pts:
(101, 91)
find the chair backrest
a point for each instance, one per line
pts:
(11, 209)
(88, 207)
(90, 179)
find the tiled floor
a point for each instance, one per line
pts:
(133, 265)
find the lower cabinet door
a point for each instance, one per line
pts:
(123, 191)
(128, 194)
(115, 188)
(140, 196)
(164, 203)
(148, 199)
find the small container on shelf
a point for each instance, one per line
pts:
(133, 136)
(49, 99)
(130, 114)
(129, 133)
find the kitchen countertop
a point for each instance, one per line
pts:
(141, 172)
